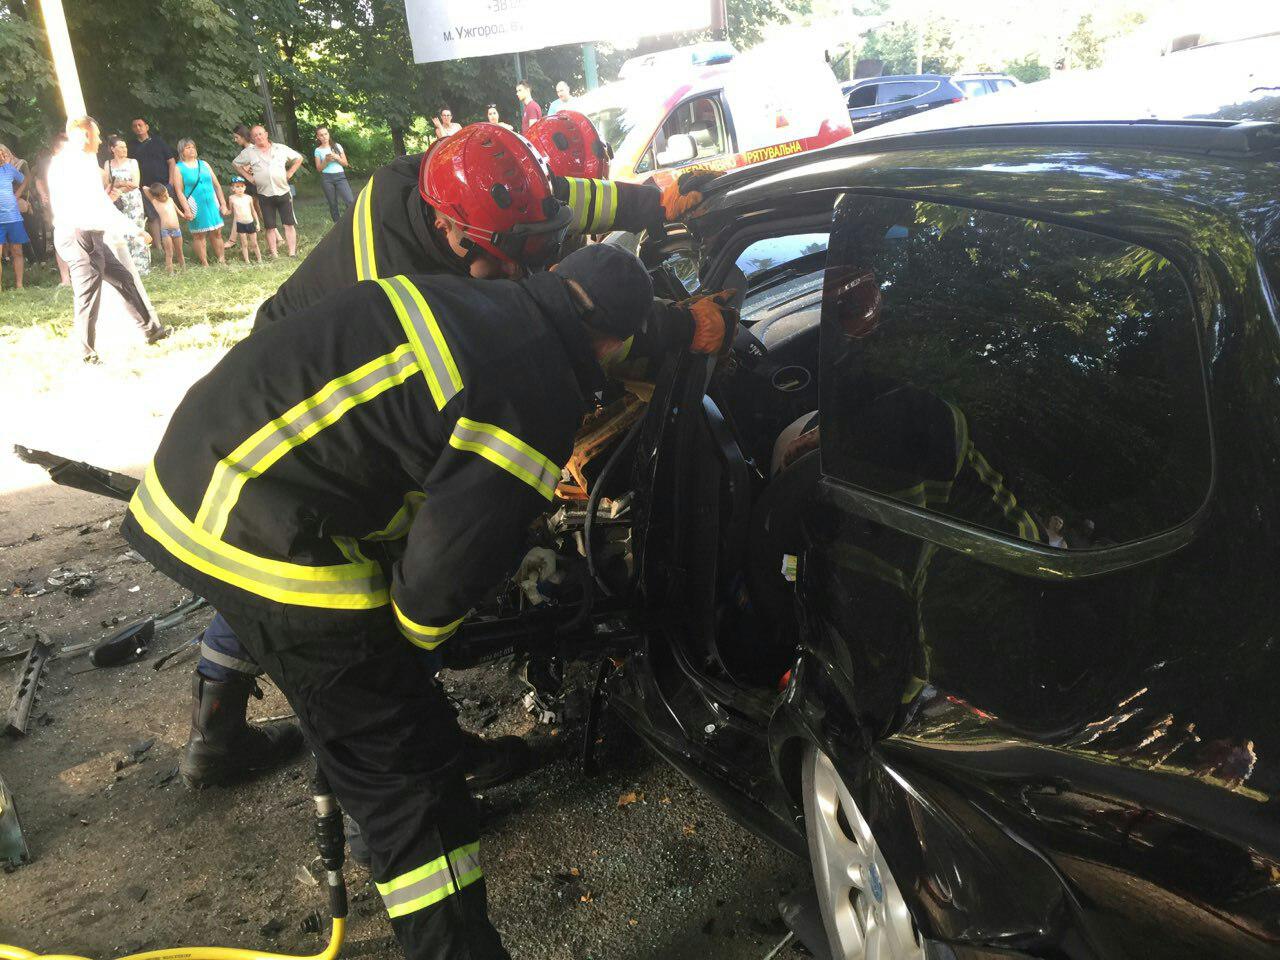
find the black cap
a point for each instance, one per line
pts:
(617, 283)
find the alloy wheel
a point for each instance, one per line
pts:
(862, 907)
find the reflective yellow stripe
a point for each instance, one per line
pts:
(574, 194)
(606, 204)
(398, 526)
(507, 451)
(352, 586)
(1003, 497)
(581, 192)
(298, 425)
(421, 635)
(431, 882)
(362, 234)
(428, 341)
(465, 862)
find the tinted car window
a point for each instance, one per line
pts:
(1002, 85)
(973, 88)
(899, 90)
(1025, 377)
(864, 96)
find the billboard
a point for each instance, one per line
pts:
(454, 29)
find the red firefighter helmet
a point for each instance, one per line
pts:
(497, 188)
(572, 145)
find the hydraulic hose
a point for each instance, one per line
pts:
(330, 841)
(593, 503)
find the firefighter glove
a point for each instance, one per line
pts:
(714, 322)
(685, 193)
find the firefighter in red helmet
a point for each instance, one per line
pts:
(579, 158)
(572, 145)
(480, 203)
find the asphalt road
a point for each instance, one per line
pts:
(630, 863)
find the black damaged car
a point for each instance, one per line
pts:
(956, 577)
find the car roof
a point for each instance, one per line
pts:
(850, 84)
(1228, 81)
(1220, 144)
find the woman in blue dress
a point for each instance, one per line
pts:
(200, 200)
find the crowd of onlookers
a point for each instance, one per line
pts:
(530, 110)
(104, 210)
(159, 188)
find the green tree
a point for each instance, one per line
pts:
(1027, 68)
(26, 83)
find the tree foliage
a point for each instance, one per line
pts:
(191, 65)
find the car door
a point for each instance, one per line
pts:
(698, 130)
(1014, 437)
(863, 112)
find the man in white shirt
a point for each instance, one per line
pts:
(270, 165)
(82, 214)
(562, 99)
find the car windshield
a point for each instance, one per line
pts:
(618, 108)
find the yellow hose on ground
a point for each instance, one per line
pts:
(195, 953)
(330, 841)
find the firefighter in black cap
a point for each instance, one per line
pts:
(439, 422)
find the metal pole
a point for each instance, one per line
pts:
(265, 92)
(64, 58)
(719, 20)
(590, 70)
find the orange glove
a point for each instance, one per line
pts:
(685, 193)
(714, 322)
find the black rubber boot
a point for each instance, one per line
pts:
(223, 747)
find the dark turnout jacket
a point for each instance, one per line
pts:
(328, 468)
(389, 230)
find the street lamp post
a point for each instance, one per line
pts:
(64, 58)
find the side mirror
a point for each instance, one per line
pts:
(680, 149)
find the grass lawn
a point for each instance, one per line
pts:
(114, 414)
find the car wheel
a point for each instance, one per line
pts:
(862, 906)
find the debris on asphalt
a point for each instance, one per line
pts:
(135, 754)
(311, 923)
(630, 797)
(13, 844)
(272, 928)
(305, 877)
(30, 681)
(135, 892)
(74, 583)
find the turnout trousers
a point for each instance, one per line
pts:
(386, 737)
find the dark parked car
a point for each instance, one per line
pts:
(996, 650)
(877, 100)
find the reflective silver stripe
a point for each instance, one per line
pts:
(225, 660)
(440, 883)
(442, 370)
(374, 584)
(586, 200)
(466, 861)
(251, 461)
(538, 473)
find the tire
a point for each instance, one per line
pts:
(865, 915)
